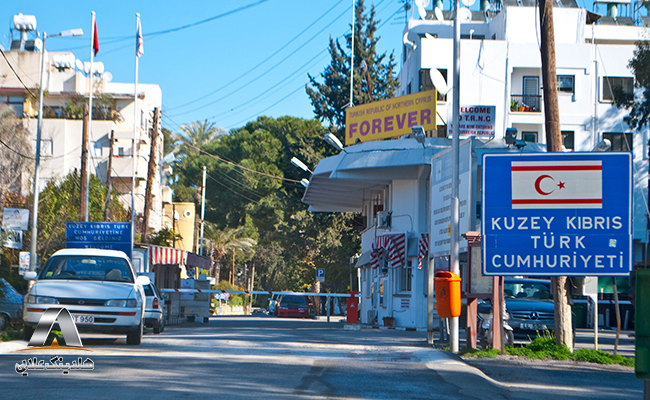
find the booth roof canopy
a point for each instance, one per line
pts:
(338, 182)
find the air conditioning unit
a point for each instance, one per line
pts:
(372, 317)
(384, 219)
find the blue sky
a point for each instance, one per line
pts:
(244, 63)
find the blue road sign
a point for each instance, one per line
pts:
(565, 214)
(99, 235)
(320, 274)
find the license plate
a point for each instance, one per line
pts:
(84, 319)
(533, 327)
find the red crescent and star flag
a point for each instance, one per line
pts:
(557, 184)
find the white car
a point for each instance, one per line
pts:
(98, 287)
(154, 310)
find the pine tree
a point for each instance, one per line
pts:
(331, 98)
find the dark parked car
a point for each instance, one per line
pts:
(530, 305)
(295, 306)
(11, 305)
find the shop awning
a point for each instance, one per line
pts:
(363, 260)
(166, 255)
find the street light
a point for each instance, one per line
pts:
(299, 164)
(37, 157)
(334, 142)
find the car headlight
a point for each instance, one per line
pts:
(130, 303)
(29, 299)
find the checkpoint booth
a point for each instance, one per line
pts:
(176, 269)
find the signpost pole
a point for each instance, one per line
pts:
(455, 267)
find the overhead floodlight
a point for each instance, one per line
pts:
(304, 182)
(418, 134)
(333, 141)
(73, 32)
(603, 145)
(299, 164)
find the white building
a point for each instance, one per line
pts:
(67, 89)
(501, 67)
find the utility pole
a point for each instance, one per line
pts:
(563, 331)
(84, 166)
(151, 172)
(202, 210)
(109, 183)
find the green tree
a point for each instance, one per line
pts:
(222, 242)
(59, 203)
(15, 149)
(639, 107)
(331, 97)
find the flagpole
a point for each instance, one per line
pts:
(133, 151)
(90, 112)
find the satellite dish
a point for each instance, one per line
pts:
(464, 15)
(79, 65)
(468, 3)
(439, 81)
(422, 5)
(406, 41)
(438, 13)
(107, 77)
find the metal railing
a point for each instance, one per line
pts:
(525, 103)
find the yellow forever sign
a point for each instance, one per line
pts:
(389, 118)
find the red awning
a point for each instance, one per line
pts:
(166, 255)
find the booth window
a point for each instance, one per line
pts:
(405, 277)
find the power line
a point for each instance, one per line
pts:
(15, 151)
(118, 39)
(262, 62)
(269, 69)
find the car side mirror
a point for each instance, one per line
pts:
(30, 275)
(164, 296)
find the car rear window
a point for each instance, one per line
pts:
(95, 268)
(293, 301)
(148, 291)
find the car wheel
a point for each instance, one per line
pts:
(135, 336)
(27, 333)
(162, 325)
(4, 322)
(510, 338)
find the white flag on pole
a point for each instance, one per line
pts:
(139, 43)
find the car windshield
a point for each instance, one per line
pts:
(293, 301)
(540, 290)
(95, 268)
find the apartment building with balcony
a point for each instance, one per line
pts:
(67, 88)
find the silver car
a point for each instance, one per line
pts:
(11, 305)
(154, 308)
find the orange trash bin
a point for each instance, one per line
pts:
(447, 286)
(352, 308)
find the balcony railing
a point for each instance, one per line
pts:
(525, 103)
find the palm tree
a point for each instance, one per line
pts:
(196, 135)
(224, 241)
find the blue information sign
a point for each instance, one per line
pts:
(565, 214)
(99, 235)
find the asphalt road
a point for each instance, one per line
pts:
(270, 358)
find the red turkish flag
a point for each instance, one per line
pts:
(95, 41)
